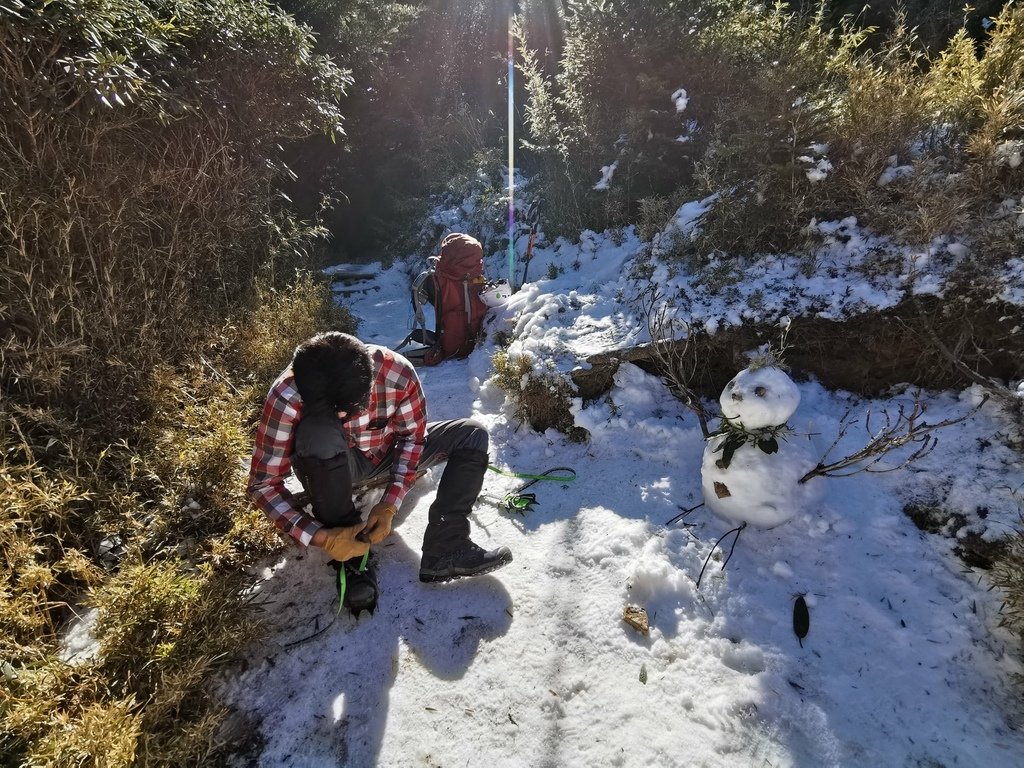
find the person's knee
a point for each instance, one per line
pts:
(320, 438)
(476, 437)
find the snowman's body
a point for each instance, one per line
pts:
(756, 487)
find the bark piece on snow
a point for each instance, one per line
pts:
(636, 617)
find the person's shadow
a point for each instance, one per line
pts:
(319, 685)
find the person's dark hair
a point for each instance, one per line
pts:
(333, 370)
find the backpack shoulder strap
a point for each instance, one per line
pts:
(419, 332)
(419, 319)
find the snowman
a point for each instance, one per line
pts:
(751, 472)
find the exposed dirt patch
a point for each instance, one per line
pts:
(934, 519)
(975, 551)
(865, 355)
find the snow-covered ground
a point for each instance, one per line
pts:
(904, 664)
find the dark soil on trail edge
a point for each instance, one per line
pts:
(867, 354)
(975, 551)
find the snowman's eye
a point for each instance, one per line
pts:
(730, 385)
(760, 391)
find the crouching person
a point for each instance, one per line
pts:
(343, 413)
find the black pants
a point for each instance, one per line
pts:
(328, 469)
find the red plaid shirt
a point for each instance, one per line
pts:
(395, 421)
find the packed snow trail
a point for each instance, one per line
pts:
(534, 666)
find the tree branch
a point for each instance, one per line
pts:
(670, 352)
(901, 429)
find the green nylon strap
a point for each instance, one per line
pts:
(517, 501)
(343, 579)
(545, 476)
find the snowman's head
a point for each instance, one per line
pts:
(762, 397)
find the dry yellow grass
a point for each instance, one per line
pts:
(170, 606)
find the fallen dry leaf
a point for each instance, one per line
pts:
(636, 617)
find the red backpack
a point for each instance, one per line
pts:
(452, 284)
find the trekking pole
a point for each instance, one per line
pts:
(533, 217)
(511, 154)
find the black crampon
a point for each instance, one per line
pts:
(357, 586)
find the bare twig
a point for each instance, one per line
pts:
(899, 429)
(1011, 403)
(315, 634)
(684, 513)
(219, 375)
(737, 530)
(670, 344)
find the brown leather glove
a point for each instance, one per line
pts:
(341, 543)
(378, 523)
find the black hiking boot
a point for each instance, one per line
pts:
(469, 560)
(357, 590)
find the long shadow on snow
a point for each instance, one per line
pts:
(335, 685)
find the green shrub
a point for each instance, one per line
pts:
(142, 146)
(806, 119)
(104, 734)
(946, 118)
(138, 212)
(429, 99)
(654, 213)
(610, 101)
(767, 127)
